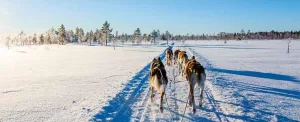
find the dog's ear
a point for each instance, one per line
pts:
(193, 57)
(154, 59)
(158, 58)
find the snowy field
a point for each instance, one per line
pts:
(253, 81)
(246, 81)
(65, 83)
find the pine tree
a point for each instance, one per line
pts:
(106, 32)
(145, 37)
(48, 39)
(126, 37)
(77, 35)
(158, 35)
(137, 35)
(34, 39)
(21, 37)
(167, 36)
(71, 36)
(87, 37)
(154, 36)
(97, 35)
(91, 37)
(123, 38)
(81, 35)
(41, 39)
(62, 34)
(148, 37)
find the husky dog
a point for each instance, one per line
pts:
(176, 55)
(182, 60)
(195, 74)
(169, 56)
(158, 80)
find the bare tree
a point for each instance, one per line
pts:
(115, 40)
(21, 37)
(7, 42)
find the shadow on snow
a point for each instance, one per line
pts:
(247, 103)
(119, 108)
(272, 76)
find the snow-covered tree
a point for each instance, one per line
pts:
(77, 35)
(137, 36)
(87, 37)
(70, 36)
(243, 34)
(154, 36)
(91, 37)
(122, 39)
(126, 37)
(62, 34)
(115, 40)
(158, 37)
(41, 39)
(144, 37)
(7, 41)
(81, 35)
(51, 36)
(168, 36)
(34, 39)
(48, 39)
(22, 37)
(149, 38)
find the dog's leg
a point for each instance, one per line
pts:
(201, 94)
(189, 95)
(201, 85)
(192, 97)
(152, 93)
(161, 101)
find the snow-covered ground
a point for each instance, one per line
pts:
(251, 80)
(65, 83)
(254, 80)
(246, 81)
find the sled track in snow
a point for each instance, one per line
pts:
(207, 64)
(123, 106)
(132, 103)
(151, 112)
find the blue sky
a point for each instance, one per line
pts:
(177, 16)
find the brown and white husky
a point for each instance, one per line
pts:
(169, 57)
(176, 55)
(158, 80)
(182, 60)
(195, 74)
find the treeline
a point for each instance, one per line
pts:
(104, 35)
(101, 36)
(271, 35)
